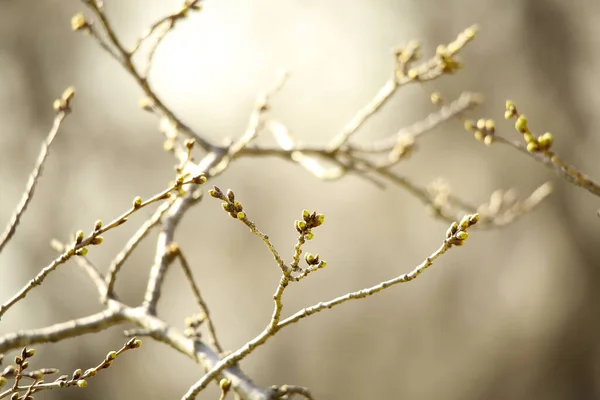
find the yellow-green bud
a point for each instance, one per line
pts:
(82, 252)
(469, 125)
(82, 383)
(78, 22)
(241, 215)
(521, 124)
(305, 214)
(111, 355)
(137, 202)
(462, 235)
(320, 219)
(532, 147)
(225, 384)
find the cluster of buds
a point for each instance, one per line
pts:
(230, 205)
(457, 233)
(308, 222)
(542, 143)
(483, 129)
(22, 365)
(193, 325)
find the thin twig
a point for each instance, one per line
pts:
(82, 242)
(199, 299)
(125, 58)
(130, 246)
(33, 179)
(86, 265)
(258, 116)
(275, 324)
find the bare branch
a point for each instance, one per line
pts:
(11, 227)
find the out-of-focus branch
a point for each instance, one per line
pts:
(125, 57)
(63, 108)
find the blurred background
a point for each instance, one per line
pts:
(513, 314)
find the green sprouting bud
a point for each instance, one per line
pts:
(25, 364)
(98, 225)
(469, 125)
(488, 140)
(310, 236)
(77, 373)
(323, 264)
(521, 124)
(473, 219)
(29, 353)
(136, 343)
(200, 180)
(300, 226)
(479, 135)
(225, 384)
(452, 230)
(111, 355)
(216, 192)
(90, 372)
(309, 258)
(461, 235)
(490, 126)
(464, 222)
(227, 207)
(508, 115)
(82, 252)
(545, 141)
(230, 195)
(510, 105)
(320, 219)
(37, 375)
(481, 124)
(529, 137)
(241, 215)
(97, 240)
(79, 236)
(82, 383)
(180, 179)
(238, 206)
(305, 215)
(2, 381)
(532, 147)
(137, 202)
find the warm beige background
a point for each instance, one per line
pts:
(512, 315)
